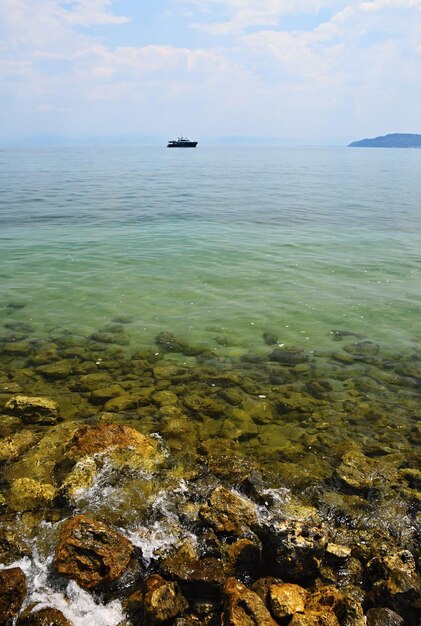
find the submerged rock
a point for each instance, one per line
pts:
(288, 356)
(34, 410)
(119, 453)
(363, 348)
(90, 382)
(103, 394)
(56, 371)
(17, 348)
(13, 591)
(12, 447)
(120, 339)
(360, 473)
(9, 425)
(270, 339)
(99, 438)
(166, 341)
(91, 553)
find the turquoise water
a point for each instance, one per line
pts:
(216, 245)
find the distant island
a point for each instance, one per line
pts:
(396, 140)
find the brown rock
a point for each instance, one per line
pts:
(203, 577)
(244, 554)
(189, 620)
(34, 410)
(12, 547)
(359, 473)
(337, 554)
(44, 617)
(133, 606)
(383, 617)
(348, 610)
(286, 599)
(243, 607)
(89, 440)
(295, 549)
(262, 586)
(91, 553)
(228, 512)
(12, 593)
(396, 583)
(326, 617)
(162, 600)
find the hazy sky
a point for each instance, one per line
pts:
(301, 69)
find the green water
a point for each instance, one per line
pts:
(222, 244)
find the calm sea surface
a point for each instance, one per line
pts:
(217, 245)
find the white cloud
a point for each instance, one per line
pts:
(93, 12)
(38, 23)
(299, 56)
(243, 14)
(14, 67)
(375, 5)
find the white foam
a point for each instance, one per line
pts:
(76, 604)
(160, 536)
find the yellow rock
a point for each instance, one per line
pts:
(27, 494)
(33, 409)
(12, 447)
(39, 462)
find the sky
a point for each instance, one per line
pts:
(327, 71)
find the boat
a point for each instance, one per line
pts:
(182, 142)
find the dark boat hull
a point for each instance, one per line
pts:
(184, 144)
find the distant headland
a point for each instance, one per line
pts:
(396, 140)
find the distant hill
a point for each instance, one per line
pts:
(396, 140)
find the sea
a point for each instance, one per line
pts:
(246, 254)
(215, 241)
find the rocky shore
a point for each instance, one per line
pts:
(184, 489)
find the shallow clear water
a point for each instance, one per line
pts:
(216, 245)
